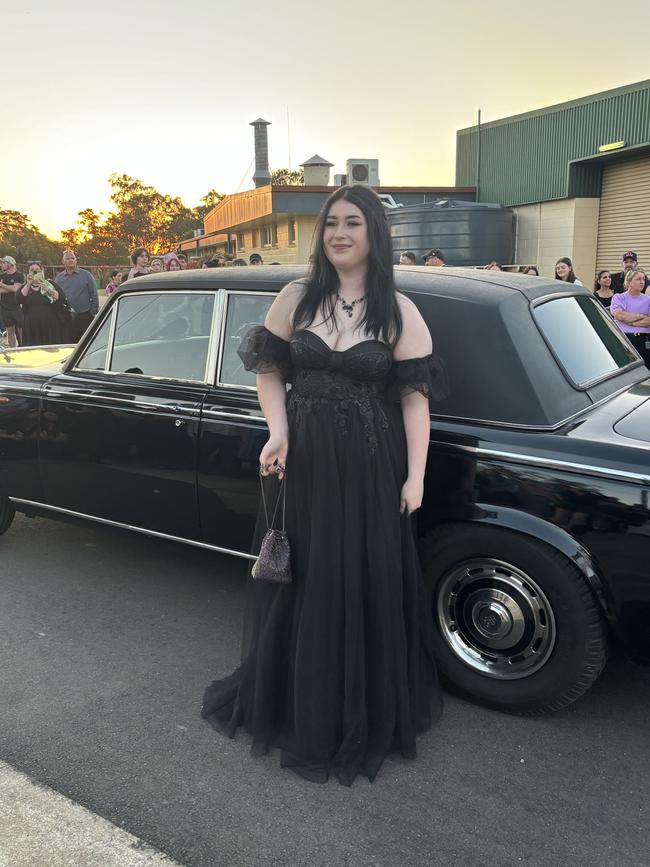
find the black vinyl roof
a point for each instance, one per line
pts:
(500, 368)
(461, 282)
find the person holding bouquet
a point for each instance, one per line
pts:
(43, 305)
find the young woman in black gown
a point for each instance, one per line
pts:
(337, 667)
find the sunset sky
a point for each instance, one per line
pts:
(165, 92)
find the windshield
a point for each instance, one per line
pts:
(583, 337)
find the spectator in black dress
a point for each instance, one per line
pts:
(43, 308)
(603, 288)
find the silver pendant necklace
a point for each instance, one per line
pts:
(348, 306)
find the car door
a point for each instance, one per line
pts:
(119, 437)
(233, 432)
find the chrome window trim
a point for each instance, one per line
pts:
(585, 386)
(550, 463)
(142, 377)
(215, 336)
(109, 343)
(251, 389)
(155, 533)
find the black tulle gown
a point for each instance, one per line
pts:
(337, 667)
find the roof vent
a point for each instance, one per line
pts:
(317, 171)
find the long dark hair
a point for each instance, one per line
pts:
(381, 317)
(571, 277)
(599, 275)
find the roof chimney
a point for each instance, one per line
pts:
(317, 172)
(262, 176)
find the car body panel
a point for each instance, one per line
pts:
(516, 445)
(122, 450)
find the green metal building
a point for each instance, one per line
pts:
(577, 175)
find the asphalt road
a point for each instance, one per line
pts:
(107, 640)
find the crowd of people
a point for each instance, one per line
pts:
(36, 311)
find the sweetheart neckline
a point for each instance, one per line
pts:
(339, 351)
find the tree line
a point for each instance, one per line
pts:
(141, 217)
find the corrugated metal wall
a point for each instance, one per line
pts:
(526, 158)
(624, 220)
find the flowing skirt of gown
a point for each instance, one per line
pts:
(337, 667)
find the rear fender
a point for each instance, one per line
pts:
(556, 537)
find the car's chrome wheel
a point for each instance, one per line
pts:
(495, 618)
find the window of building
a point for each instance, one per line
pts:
(292, 231)
(269, 235)
(241, 241)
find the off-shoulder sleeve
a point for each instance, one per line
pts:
(427, 375)
(265, 352)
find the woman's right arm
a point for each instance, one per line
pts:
(271, 387)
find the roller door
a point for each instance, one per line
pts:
(624, 221)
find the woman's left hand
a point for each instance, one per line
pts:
(411, 496)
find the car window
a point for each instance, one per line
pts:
(243, 311)
(94, 358)
(163, 335)
(584, 338)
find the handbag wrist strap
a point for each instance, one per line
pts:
(281, 495)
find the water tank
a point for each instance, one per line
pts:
(468, 233)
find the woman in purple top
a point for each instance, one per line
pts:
(631, 310)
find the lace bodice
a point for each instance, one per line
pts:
(369, 360)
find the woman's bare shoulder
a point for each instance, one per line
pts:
(415, 339)
(279, 319)
(406, 306)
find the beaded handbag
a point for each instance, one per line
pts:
(273, 563)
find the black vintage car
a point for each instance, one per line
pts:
(535, 529)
